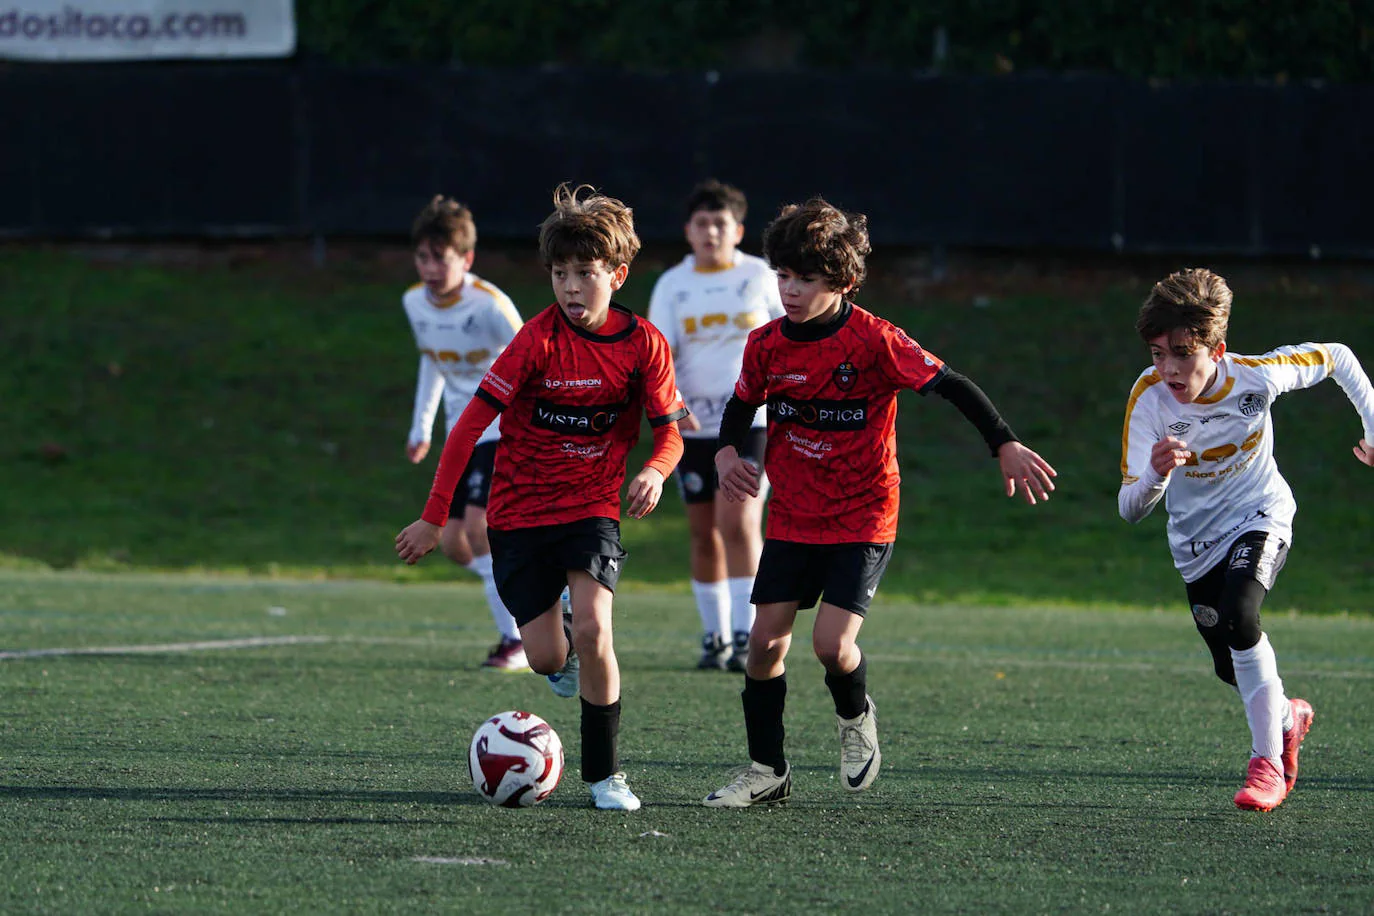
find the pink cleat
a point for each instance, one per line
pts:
(1264, 786)
(1292, 740)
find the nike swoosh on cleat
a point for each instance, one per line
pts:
(856, 781)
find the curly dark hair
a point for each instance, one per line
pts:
(819, 239)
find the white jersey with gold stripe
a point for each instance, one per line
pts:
(707, 315)
(458, 339)
(1231, 484)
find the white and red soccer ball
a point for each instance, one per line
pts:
(515, 759)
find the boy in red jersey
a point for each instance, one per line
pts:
(570, 389)
(829, 373)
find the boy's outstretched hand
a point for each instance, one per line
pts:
(1365, 452)
(1024, 468)
(417, 539)
(644, 492)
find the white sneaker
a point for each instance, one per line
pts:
(566, 680)
(613, 794)
(859, 754)
(753, 785)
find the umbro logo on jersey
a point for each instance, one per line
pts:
(1179, 427)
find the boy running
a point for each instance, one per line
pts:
(1198, 426)
(829, 373)
(460, 322)
(706, 306)
(570, 390)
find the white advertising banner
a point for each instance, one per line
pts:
(71, 30)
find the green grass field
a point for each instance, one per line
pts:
(242, 411)
(222, 693)
(1035, 760)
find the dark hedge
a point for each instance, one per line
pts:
(1171, 39)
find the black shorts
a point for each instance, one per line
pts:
(530, 565)
(1255, 555)
(474, 484)
(845, 575)
(696, 472)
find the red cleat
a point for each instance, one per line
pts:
(509, 655)
(1292, 740)
(1264, 786)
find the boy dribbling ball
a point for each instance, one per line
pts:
(571, 389)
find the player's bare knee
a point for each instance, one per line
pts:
(455, 546)
(544, 660)
(590, 636)
(833, 656)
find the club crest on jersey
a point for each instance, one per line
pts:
(1252, 403)
(845, 375)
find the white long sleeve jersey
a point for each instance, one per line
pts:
(1232, 484)
(458, 339)
(707, 315)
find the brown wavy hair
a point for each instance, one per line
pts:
(445, 223)
(586, 225)
(1195, 301)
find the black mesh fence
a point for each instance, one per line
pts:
(1064, 162)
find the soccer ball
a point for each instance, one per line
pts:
(515, 759)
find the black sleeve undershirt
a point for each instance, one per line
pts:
(960, 391)
(735, 422)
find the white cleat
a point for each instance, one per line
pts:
(613, 794)
(755, 784)
(859, 754)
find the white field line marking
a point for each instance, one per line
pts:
(1005, 661)
(459, 860)
(252, 642)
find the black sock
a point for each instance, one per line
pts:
(850, 691)
(763, 706)
(600, 729)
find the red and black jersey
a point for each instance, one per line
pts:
(571, 402)
(831, 394)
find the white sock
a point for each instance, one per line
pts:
(1257, 678)
(505, 623)
(713, 604)
(741, 611)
